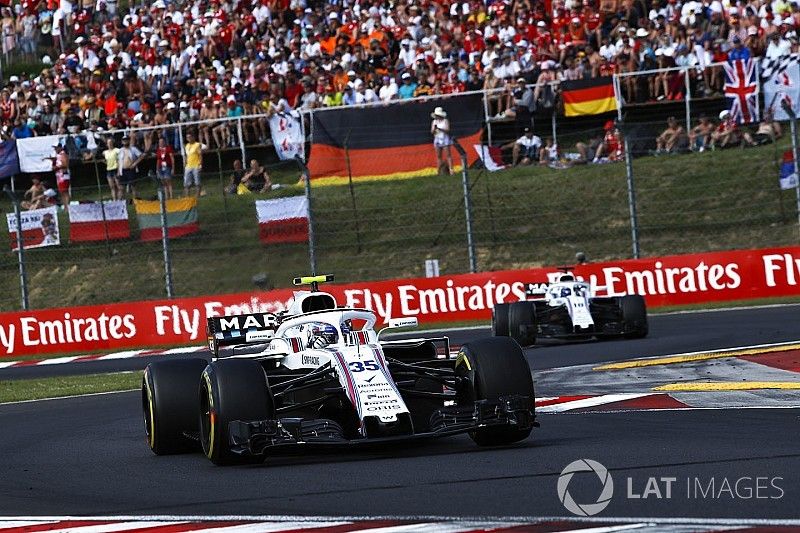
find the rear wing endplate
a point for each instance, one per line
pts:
(240, 329)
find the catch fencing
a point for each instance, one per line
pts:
(540, 214)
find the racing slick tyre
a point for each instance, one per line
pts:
(634, 316)
(231, 389)
(169, 403)
(492, 368)
(500, 320)
(522, 322)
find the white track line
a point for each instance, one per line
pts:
(268, 527)
(59, 360)
(607, 529)
(9, 524)
(590, 402)
(443, 527)
(119, 526)
(120, 355)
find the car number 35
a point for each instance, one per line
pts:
(360, 366)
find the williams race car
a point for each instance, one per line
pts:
(320, 375)
(567, 309)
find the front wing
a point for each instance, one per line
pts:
(556, 322)
(258, 437)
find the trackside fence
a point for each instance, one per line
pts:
(541, 213)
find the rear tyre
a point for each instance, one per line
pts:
(500, 320)
(492, 368)
(231, 389)
(169, 405)
(522, 323)
(634, 316)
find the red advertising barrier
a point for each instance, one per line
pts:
(670, 280)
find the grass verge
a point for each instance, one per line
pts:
(54, 387)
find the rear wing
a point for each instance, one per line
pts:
(240, 329)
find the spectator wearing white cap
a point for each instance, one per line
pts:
(727, 133)
(524, 150)
(442, 141)
(407, 55)
(388, 90)
(408, 87)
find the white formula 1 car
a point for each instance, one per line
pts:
(568, 309)
(320, 375)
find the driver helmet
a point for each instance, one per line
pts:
(322, 335)
(565, 292)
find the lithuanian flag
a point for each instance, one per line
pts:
(181, 218)
(590, 96)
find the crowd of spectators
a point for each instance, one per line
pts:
(110, 65)
(114, 65)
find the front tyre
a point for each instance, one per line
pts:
(492, 368)
(169, 404)
(634, 316)
(231, 389)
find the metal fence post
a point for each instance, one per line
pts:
(165, 240)
(23, 277)
(241, 142)
(631, 193)
(796, 153)
(312, 253)
(486, 118)
(473, 262)
(688, 98)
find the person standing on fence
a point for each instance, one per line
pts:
(61, 170)
(111, 155)
(193, 164)
(127, 161)
(165, 163)
(440, 129)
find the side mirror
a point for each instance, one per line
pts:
(397, 323)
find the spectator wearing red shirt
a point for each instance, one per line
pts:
(165, 165)
(612, 144)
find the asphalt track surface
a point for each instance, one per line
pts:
(87, 456)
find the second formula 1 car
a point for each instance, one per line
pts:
(567, 309)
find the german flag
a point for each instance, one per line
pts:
(181, 218)
(591, 96)
(389, 141)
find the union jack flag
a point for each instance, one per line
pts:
(741, 90)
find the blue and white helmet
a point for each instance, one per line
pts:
(322, 335)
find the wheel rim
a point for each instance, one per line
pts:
(207, 416)
(149, 413)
